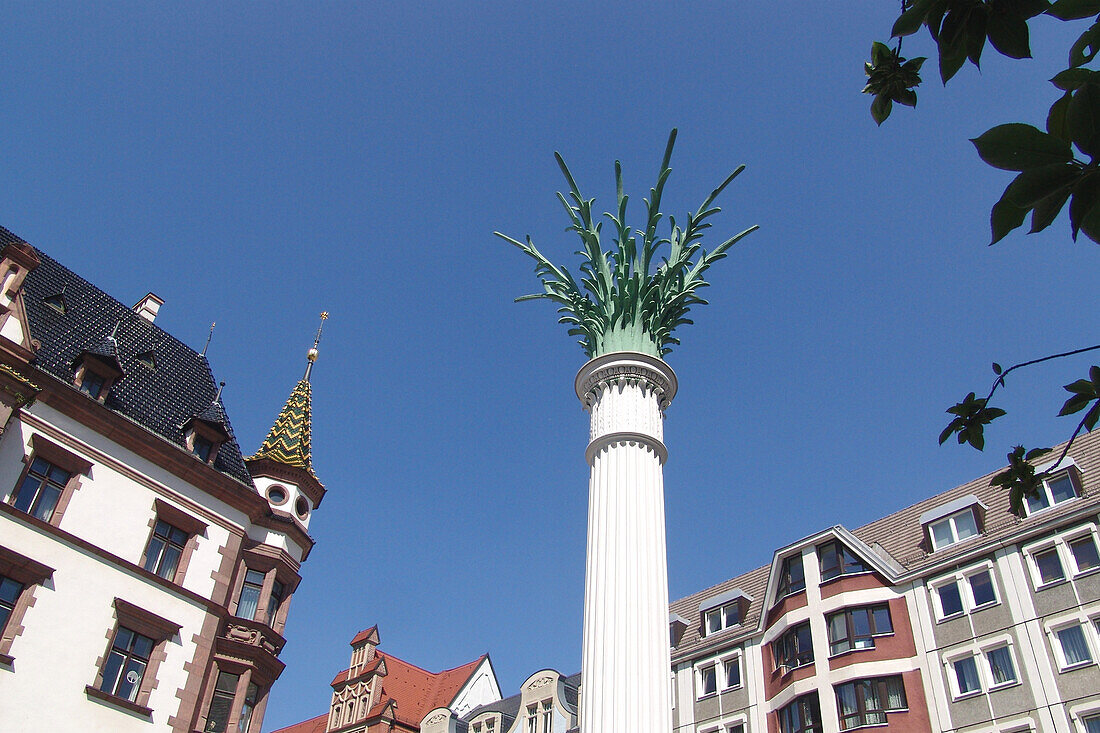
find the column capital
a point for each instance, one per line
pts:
(619, 366)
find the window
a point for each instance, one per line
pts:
(165, 548)
(1084, 553)
(802, 715)
(249, 601)
(953, 529)
(1075, 650)
(10, 590)
(18, 577)
(794, 648)
(966, 676)
(837, 560)
(273, 601)
(981, 588)
(1053, 491)
(856, 628)
(708, 681)
(532, 718)
(221, 704)
(724, 617)
(92, 384)
(950, 599)
(1049, 566)
(733, 672)
(127, 671)
(202, 447)
(866, 702)
(547, 716)
(792, 579)
(965, 591)
(126, 663)
(1001, 669)
(40, 489)
(1091, 723)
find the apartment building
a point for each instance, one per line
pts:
(146, 565)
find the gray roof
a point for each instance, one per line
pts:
(161, 399)
(949, 508)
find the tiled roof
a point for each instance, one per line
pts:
(901, 536)
(160, 399)
(364, 635)
(313, 725)
(288, 440)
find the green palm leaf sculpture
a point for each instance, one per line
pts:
(625, 300)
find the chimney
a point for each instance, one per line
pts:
(148, 307)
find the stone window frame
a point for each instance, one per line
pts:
(1081, 713)
(979, 652)
(961, 578)
(178, 518)
(697, 671)
(246, 675)
(1060, 543)
(146, 623)
(254, 558)
(31, 574)
(47, 450)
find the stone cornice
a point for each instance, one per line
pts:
(626, 366)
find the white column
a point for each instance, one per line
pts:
(625, 660)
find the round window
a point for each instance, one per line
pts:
(302, 507)
(276, 494)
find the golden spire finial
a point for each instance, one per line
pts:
(311, 355)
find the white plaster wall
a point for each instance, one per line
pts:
(480, 689)
(67, 630)
(12, 330)
(293, 492)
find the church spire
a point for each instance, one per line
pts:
(288, 440)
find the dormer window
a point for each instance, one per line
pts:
(1054, 491)
(723, 611)
(953, 522)
(837, 560)
(56, 302)
(952, 529)
(202, 447)
(147, 359)
(204, 437)
(92, 384)
(792, 577)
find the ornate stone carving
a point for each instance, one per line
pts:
(540, 682)
(437, 718)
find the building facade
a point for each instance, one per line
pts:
(146, 565)
(950, 615)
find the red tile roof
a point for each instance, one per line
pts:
(364, 635)
(418, 691)
(313, 725)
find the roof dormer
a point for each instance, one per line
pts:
(953, 522)
(97, 368)
(723, 611)
(206, 431)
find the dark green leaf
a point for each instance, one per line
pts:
(1083, 119)
(1085, 47)
(1074, 404)
(1081, 387)
(1070, 79)
(1056, 118)
(952, 43)
(1008, 34)
(975, 37)
(880, 53)
(913, 65)
(1005, 217)
(1094, 375)
(910, 21)
(1091, 417)
(907, 97)
(1036, 184)
(1025, 8)
(880, 108)
(1074, 9)
(1090, 224)
(1047, 210)
(1036, 453)
(997, 369)
(1086, 194)
(1018, 147)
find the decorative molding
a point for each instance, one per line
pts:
(626, 366)
(611, 439)
(437, 718)
(541, 682)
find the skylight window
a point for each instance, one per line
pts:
(147, 358)
(56, 302)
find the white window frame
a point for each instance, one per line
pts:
(1063, 471)
(993, 686)
(734, 658)
(981, 664)
(725, 725)
(953, 677)
(721, 611)
(966, 591)
(1060, 543)
(950, 521)
(697, 669)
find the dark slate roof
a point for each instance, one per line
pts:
(160, 399)
(510, 706)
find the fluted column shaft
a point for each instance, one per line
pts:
(625, 659)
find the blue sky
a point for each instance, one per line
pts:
(254, 164)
